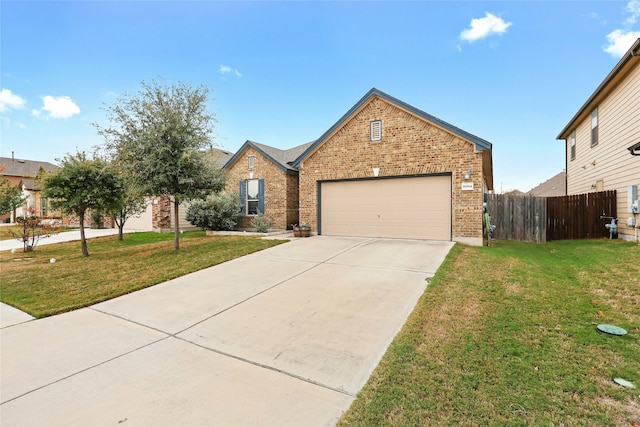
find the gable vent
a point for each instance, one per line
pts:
(375, 132)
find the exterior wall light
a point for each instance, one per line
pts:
(376, 171)
(466, 175)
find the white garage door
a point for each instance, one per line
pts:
(411, 208)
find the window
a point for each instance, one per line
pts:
(594, 127)
(43, 207)
(252, 196)
(252, 162)
(375, 131)
(573, 145)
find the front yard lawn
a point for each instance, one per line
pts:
(34, 285)
(506, 335)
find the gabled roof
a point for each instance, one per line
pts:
(555, 186)
(281, 158)
(480, 143)
(219, 156)
(29, 184)
(24, 168)
(626, 63)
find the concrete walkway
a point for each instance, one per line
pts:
(67, 236)
(285, 336)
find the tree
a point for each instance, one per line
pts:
(160, 136)
(11, 197)
(132, 201)
(83, 184)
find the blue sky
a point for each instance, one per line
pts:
(282, 73)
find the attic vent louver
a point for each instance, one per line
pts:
(375, 131)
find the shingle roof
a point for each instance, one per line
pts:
(282, 158)
(555, 186)
(221, 156)
(24, 168)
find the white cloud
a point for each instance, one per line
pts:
(633, 7)
(479, 28)
(226, 70)
(620, 41)
(60, 107)
(9, 100)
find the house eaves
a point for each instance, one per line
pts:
(281, 158)
(480, 144)
(622, 68)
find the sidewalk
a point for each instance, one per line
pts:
(67, 236)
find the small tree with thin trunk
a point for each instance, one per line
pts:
(11, 197)
(160, 135)
(83, 184)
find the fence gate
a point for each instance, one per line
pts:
(518, 217)
(579, 216)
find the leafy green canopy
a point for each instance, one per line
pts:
(160, 136)
(10, 197)
(83, 184)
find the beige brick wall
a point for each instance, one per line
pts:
(280, 189)
(409, 146)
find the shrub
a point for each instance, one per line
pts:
(96, 216)
(260, 223)
(216, 212)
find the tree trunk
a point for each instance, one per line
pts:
(120, 232)
(176, 227)
(83, 240)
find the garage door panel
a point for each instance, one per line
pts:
(417, 207)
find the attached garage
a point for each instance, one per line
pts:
(388, 207)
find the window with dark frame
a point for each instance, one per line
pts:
(43, 207)
(594, 127)
(375, 131)
(573, 145)
(252, 192)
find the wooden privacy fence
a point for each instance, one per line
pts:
(580, 216)
(538, 219)
(518, 217)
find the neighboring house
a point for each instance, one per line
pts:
(158, 216)
(22, 173)
(385, 169)
(602, 140)
(266, 183)
(553, 187)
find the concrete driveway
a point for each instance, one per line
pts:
(286, 336)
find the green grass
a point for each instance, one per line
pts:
(32, 284)
(506, 336)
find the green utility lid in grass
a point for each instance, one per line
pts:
(613, 330)
(624, 383)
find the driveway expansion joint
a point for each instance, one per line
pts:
(88, 368)
(267, 367)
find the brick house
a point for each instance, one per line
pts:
(23, 173)
(384, 169)
(266, 182)
(602, 141)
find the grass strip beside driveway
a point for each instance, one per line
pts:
(506, 335)
(34, 285)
